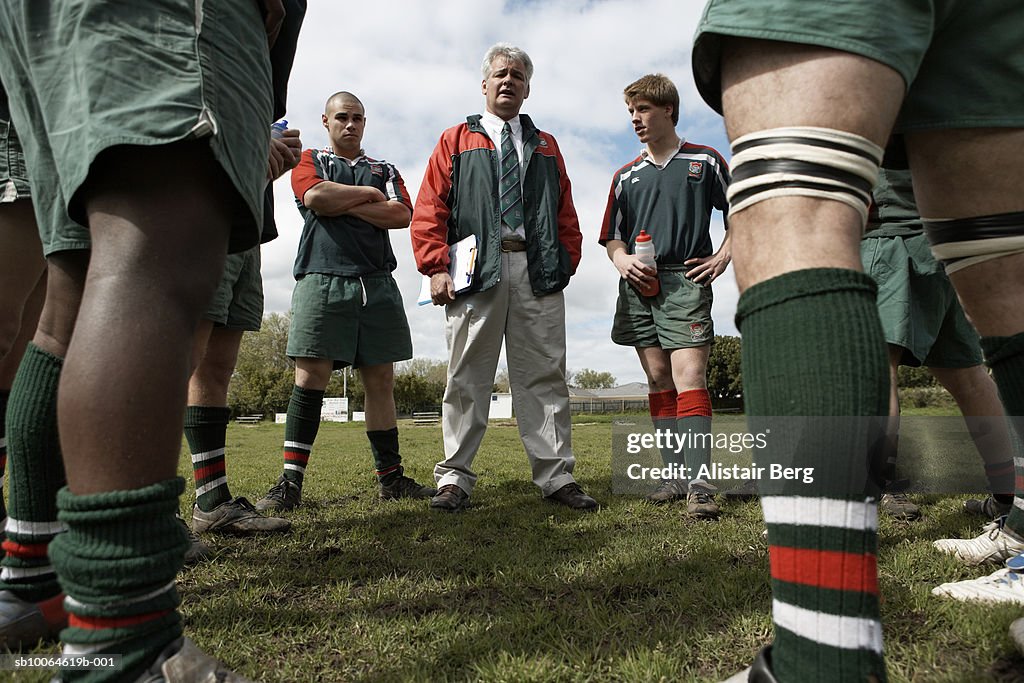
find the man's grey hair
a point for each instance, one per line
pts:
(509, 52)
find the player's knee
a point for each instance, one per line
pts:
(964, 382)
(660, 381)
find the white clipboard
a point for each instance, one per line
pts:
(461, 267)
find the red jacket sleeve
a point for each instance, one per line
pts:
(429, 227)
(568, 223)
(305, 175)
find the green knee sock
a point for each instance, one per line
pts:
(813, 346)
(1005, 355)
(300, 431)
(117, 562)
(206, 432)
(36, 474)
(387, 461)
(693, 409)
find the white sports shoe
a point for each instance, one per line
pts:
(1002, 585)
(994, 546)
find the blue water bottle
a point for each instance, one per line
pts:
(278, 128)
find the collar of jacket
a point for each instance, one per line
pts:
(529, 130)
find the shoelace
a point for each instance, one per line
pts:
(277, 490)
(995, 525)
(246, 505)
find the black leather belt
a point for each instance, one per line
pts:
(513, 245)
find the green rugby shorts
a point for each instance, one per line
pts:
(238, 302)
(84, 76)
(961, 59)
(917, 304)
(350, 320)
(678, 317)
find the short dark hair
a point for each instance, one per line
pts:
(658, 90)
(346, 95)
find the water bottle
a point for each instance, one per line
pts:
(277, 129)
(645, 250)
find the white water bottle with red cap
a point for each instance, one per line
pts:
(644, 249)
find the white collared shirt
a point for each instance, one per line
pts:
(646, 155)
(493, 125)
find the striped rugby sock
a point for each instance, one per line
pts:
(1005, 355)
(206, 432)
(300, 431)
(117, 563)
(824, 587)
(387, 461)
(662, 405)
(813, 346)
(36, 475)
(693, 410)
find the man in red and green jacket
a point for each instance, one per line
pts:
(498, 177)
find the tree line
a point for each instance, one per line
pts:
(264, 375)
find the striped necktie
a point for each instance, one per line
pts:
(511, 194)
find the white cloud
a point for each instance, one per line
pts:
(416, 67)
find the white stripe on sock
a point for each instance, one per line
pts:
(829, 512)
(75, 650)
(71, 604)
(23, 528)
(206, 488)
(848, 633)
(1018, 502)
(207, 455)
(14, 573)
(293, 466)
(298, 445)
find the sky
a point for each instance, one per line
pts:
(416, 68)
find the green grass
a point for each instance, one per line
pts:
(519, 590)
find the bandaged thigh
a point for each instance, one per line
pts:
(803, 161)
(963, 242)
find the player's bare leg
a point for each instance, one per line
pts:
(158, 247)
(813, 346)
(989, 290)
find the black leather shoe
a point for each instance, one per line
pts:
(572, 496)
(450, 498)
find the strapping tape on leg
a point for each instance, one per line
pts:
(803, 161)
(963, 242)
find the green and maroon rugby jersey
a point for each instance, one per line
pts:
(344, 245)
(673, 203)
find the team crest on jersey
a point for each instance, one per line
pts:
(696, 169)
(542, 143)
(697, 330)
(377, 169)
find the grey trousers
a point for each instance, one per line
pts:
(533, 329)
